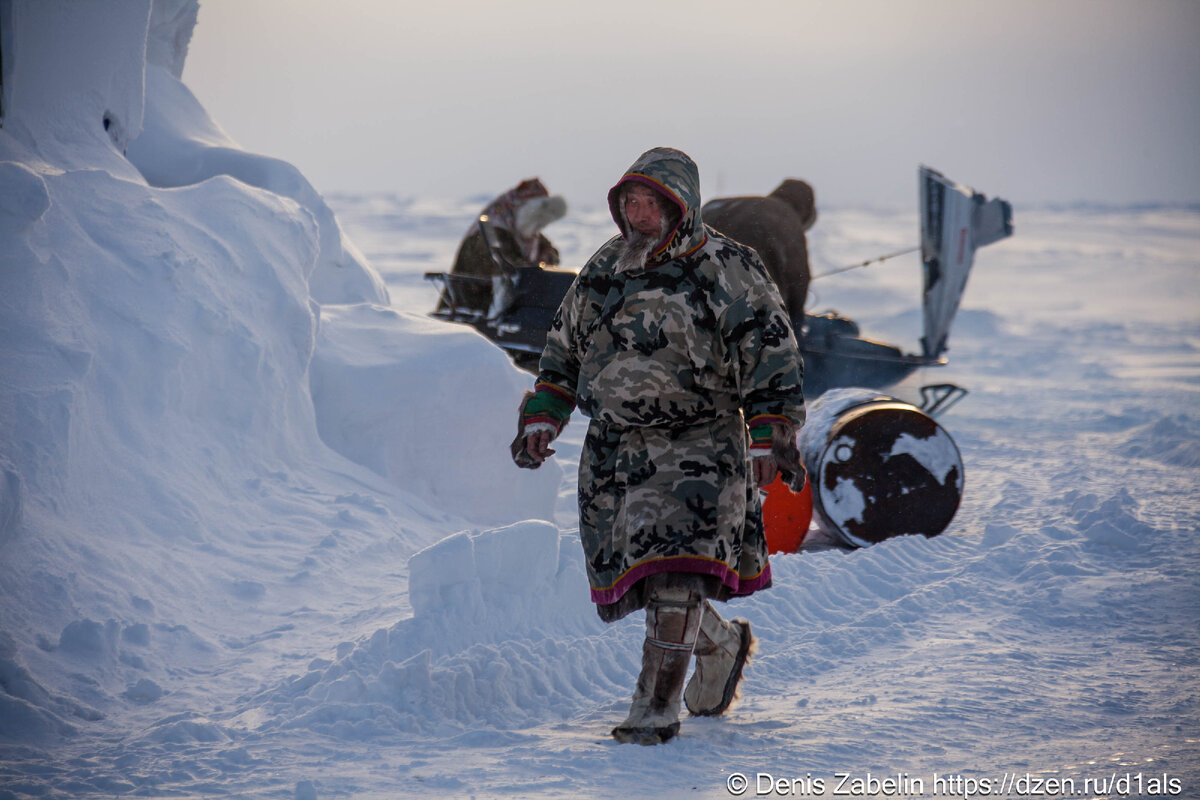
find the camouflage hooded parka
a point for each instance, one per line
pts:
(671, 361)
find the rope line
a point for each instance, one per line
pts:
(866, 263)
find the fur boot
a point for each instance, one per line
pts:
(722, 650)
(672, 620)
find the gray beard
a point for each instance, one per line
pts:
(638, 247)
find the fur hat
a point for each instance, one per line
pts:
(538, 212)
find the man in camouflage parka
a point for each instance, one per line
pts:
(674, 341)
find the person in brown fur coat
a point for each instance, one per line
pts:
(517, 218)
(774, 226)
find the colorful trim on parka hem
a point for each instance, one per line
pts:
(737, 585)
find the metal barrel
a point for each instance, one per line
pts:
(879, 467)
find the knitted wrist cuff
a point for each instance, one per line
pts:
(550, 405)
(761, 439)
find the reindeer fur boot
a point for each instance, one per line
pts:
(722, 650)
(672, 620)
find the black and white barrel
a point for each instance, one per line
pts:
(879, 467)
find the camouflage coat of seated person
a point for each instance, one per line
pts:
(517, 217)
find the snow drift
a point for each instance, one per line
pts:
(162, 346)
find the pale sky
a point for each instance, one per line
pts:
(1036, 101)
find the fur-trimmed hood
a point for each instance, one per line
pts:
(673, 175)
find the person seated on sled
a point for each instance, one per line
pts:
(774, 226)
(676, 343)
(517, 218)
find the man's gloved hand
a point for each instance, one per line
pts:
(787, 456)
(773, 451)
(537, 427)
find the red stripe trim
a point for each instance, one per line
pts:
(751, 585)
(656, 185)
(557, 391)
(703, 242)
(695, 564)
(768, 419)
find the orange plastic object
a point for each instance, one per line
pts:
(786, 516)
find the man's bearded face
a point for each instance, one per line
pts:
(646, 225)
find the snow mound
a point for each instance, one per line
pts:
(181, 146)
(74, 82)
(503, 636)
(178, 144)
(150, 343)
(159, 440)
(28, 711)
(1173, 440)
(398, 394)
(25, 199)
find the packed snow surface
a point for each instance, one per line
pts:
(260, 535)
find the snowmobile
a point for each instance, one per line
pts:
(955, 221)
(524, 299)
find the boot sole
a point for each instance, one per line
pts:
(646, 736)
(735, 674)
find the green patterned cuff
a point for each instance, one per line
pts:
(761, 437)
(547, 406)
